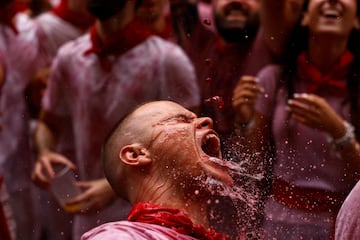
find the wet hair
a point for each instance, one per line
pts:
(298, 42)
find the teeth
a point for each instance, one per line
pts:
(210, 136)
(331, 13)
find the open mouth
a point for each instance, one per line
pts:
(210, 145)
(331, 13)
(216, 167)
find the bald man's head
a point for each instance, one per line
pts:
(163, 144)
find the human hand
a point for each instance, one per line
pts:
(244, 97)
(43, 170)
(97, 195)
(315, 112)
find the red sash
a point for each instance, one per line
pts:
(306, 199)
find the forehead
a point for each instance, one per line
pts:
(153, 112)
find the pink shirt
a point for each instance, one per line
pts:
(126, 230)
(348, 220)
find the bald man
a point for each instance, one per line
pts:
(161, 158)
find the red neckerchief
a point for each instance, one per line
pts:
(173, 219)
(128, 37)
(331, 81)
(80, 21)
(7, 13)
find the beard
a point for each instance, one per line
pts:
(237, 33)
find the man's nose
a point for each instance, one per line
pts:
(204, 122)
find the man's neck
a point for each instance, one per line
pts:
(194, 206)
(78, 6)
(115, 23)
(159, 24)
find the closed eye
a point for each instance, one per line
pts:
(180, 118)
(184, 118)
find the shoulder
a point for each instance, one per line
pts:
(49, 20)
(46, 17)
(348, 219)
(270, 74)
(26, 26)
(270, 69)
(351, 203)
(269, 78)
(76, 47)
(163, 47)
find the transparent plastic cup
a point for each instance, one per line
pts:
(63, 187)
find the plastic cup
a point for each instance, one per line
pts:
(63, 187)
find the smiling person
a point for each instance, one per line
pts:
(309, 107)
(156, 158)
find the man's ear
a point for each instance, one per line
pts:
(135, 155)
(305, 19)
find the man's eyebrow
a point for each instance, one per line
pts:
(180, 115)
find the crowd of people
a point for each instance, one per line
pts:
(165, 109)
